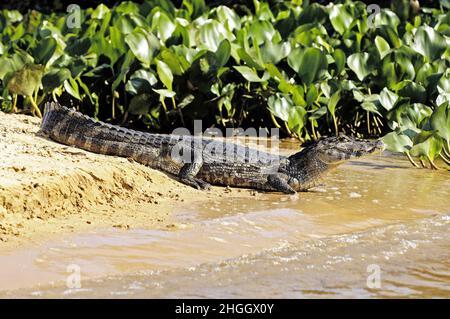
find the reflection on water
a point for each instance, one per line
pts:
(373, 214)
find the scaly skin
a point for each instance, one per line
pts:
(204, 161)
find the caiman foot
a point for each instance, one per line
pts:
(279, 183)
(196, 183)
(187, 175)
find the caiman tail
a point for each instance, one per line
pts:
(69, 127)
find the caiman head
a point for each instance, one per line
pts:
(307, 166)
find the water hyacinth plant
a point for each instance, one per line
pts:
(307, 68)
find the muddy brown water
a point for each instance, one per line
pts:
(376, 228)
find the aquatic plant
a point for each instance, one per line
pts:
(309, 69)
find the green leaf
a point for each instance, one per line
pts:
(334, 100)
(429, 43)
(251, 75)
(212, 34)
(223, 53)
(141, 82)
(275, 52)
(370, 106)
(165, 93)
(414, 91)
(311, 95)
(440, 121)
(100, 11)
(406, 115)
(177, 63)
(317, 114)
(358, 96)
(313, 13)
(423, 73)
(389, 74)
(360, 64)
(340, 18)
(382, 46)
(280, 105)
(44, 50)
(163, 25)
(397, 143)
(143, 44)
(388, 99)
(294, 59)
(127, 7)
(140, 104)
(55, 78)
(387, 18)
(12, 16)
(78, 47)
(228, 17)
(164, 74)
(312, 66)
(250, 60)
(296, 120)
(427, 144)
(188, 99)
(339, 60)
(71, 87)
(124, 69)
(262, 31)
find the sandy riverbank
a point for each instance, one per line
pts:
(47, 188)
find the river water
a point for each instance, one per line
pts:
(376, 228)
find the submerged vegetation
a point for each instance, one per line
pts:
(309, 69)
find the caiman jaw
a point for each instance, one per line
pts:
(336, 150)
(371, 147)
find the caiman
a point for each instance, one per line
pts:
(200, 161)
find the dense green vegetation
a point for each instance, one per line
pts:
(309, 69)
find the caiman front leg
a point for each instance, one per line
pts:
(279, 182)
(187, 175)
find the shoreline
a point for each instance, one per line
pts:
(47, 188)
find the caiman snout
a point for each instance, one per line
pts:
(335, 150)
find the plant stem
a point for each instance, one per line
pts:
(433, 166)
(446, 160)
(336, 130)
(368, 122)
(447, 151)
(14, 106)
(422, 163)
(444, 151)
(379, 120)
(376, 123)
(35, 107)
(165, 108)
(313, 130)
(411, 160)
(113, 107)
(274, 120)
(125, 117)
(287, 129)
(356, 118)
(179, 111)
